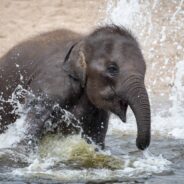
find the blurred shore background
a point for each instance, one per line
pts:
(157, 24)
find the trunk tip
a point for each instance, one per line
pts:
(142, 143)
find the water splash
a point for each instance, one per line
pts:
(124, 13)
(177, 94)
(177, 97)
(169, 122)
(55, 163)
(15, 131)
(75, 152)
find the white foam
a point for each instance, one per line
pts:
(133, 167)
(16, 130)
(151, 163)
(14, 133)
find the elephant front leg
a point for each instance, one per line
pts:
(95, 129)
(37, 113)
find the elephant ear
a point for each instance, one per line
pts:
(75, 64)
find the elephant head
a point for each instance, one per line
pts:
(110, 67)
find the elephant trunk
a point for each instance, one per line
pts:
(137, 98)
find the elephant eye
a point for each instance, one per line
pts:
(113, 69)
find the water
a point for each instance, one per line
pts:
(71, 160)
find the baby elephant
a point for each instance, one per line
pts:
(88, 76)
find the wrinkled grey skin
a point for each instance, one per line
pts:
(89, 76)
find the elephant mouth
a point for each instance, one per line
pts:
(123, 107)
(120, 110)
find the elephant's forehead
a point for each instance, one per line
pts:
(109, 51)
(112, 45)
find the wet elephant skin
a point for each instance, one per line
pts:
(89, 76)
